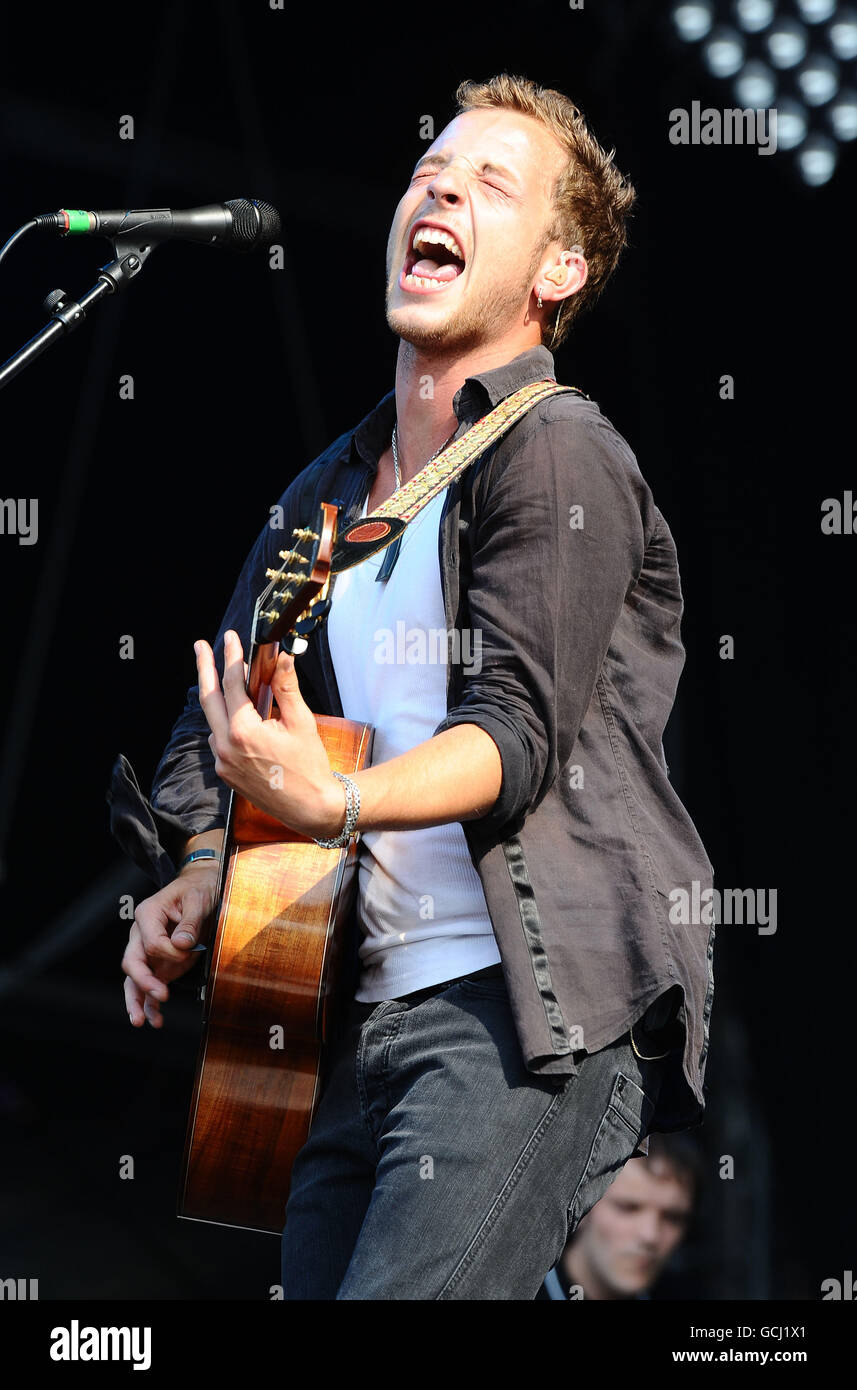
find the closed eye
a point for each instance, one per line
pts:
(427, 173)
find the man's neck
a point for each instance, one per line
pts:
(426, 384)
(578, 1270)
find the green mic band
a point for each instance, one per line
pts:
(78, 221)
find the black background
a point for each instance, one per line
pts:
(242, 375)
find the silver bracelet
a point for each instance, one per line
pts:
(352, 811)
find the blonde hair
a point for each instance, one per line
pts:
(591, 199)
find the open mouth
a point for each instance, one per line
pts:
(434, 260)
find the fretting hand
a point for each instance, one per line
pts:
(279, 764)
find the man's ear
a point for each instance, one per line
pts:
(567, 277)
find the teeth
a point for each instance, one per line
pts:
(434, 236)
(425, 283)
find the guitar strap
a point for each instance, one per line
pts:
(369, 534)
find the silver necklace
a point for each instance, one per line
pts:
(391, 553)
(394, 444)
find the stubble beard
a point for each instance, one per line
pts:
(471, 325)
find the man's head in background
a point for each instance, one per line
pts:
(622, 1245)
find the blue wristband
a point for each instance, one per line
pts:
(199, 854)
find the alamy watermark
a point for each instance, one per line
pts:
(733, 126)
(840, 518)
(19, 516)
(17, 1289)
(755, 907)
(432, 646)
(76, 1343)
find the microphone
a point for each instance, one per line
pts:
(243, 224)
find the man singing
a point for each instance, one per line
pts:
(526, 1010)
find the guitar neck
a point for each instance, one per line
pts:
(261, 664)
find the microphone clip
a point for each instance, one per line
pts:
(130, 253)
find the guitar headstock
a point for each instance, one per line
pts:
(296, 599)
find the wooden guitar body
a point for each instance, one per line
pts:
(270, 999)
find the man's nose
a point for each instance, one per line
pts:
(648, 1229)
(448, 185)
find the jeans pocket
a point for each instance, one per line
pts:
(624, 1123)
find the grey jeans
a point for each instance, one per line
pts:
(438, 1167)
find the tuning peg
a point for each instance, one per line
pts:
(271, 613)
(283, 596)
(303, 533)
(287, 575)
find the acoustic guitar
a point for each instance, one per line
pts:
(271, 994)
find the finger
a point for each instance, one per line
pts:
(154, 924)
(234, 669)
(285, 687)
(194, 911)
(134, 998)
(137, 968)
(153, 1012)
(210, 695)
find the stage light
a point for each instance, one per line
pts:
(816, 160)
(754, 15)
(787, 43)
(842, 35)
(759, 47)
(724, 51)
(792, 124)
(693, 21)
(843, 115)
(755, 85)
(818, 79)
(816, 11)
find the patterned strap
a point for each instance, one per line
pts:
(372, 533)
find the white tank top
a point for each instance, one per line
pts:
(420, 899)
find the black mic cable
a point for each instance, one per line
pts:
(27, 227)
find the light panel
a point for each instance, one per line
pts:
(797, 58)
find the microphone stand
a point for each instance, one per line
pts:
(130, 253)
